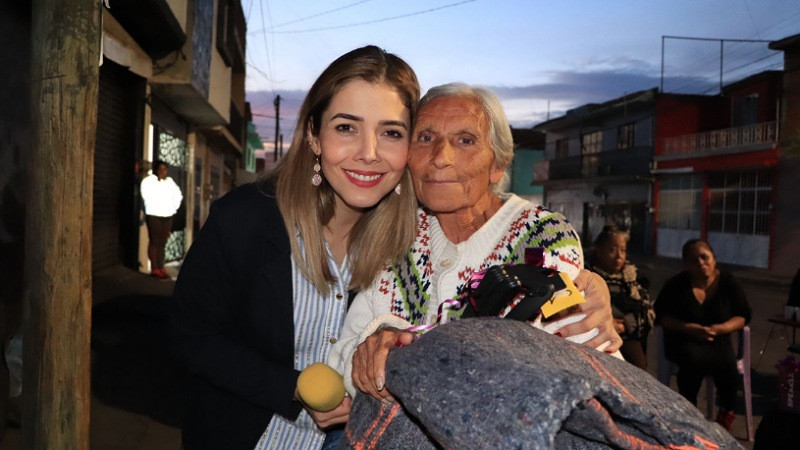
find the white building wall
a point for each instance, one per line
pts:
(570, 204)
(742, 250)
(670, 241)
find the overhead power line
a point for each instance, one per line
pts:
(721, 69)
(266, 45)
(368, 22)
(272, 116)
(319, 14)
(261, 72)
(249, 10)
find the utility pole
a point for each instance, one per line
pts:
(65, 57)
(277, 104)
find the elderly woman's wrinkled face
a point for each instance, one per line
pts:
(451, 160)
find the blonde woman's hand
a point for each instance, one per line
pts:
(327, 419)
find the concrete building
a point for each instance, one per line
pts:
(786, 245)
(597, 166)
(671, 167)
(171, 87)
(528, 149)
(716, 172)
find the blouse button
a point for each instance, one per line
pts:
(446, 263)
(332, 340)
(339, 296)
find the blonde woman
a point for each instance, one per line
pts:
(264, 289)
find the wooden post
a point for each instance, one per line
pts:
(65, 54)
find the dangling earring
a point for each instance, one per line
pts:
(399, 188)
(316, 179)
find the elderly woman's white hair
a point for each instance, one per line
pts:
(499, 129)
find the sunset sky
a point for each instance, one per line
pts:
(540, 57)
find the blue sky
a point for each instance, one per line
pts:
(540, 57)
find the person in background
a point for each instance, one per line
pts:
(263, 291)
(794, 292)
(699, 308)
(630, 301)
(460, 149)
(162, 198)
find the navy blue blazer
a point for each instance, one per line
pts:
(232, 322)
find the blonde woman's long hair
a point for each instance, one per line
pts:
(384, 233)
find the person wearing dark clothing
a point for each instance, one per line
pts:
(630, 301)
(699, 309)
(263, 290)
(794, 291)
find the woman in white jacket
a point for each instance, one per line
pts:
(162, 198)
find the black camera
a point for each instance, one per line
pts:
(501, 285)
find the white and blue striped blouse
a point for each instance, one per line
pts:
(318, 323)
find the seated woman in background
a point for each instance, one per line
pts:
(699, 309)
(630, 301)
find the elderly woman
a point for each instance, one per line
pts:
(460, 149)
(630, 301)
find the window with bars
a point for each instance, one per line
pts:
(680, 202)
(626, 136)
(591, 144)
(739, 202)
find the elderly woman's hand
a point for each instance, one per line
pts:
(369, 361)
(598, 313)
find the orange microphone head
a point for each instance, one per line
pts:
(320, 387)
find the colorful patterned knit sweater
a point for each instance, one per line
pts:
(436, 270)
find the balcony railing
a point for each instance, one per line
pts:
(628, 162)
(722, 140)
(564, 168)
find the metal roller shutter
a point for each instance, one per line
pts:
(118, 136)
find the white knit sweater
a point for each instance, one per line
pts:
(442, 269)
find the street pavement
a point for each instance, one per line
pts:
(138, 390)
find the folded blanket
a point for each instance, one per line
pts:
(488, 383)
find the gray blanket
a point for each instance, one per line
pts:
(495, 384)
